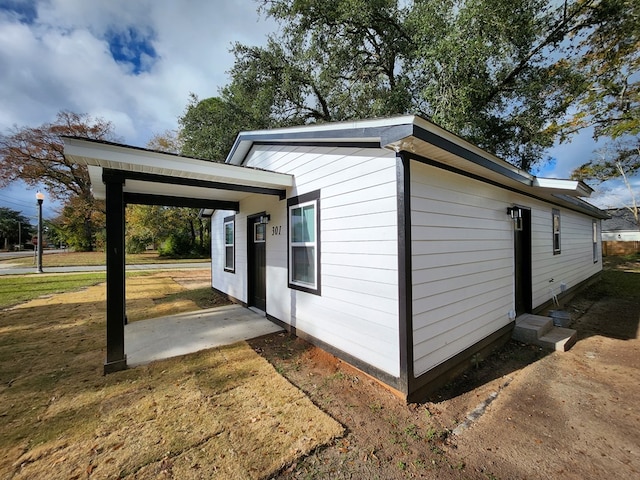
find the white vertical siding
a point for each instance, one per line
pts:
(357, 311)
(463, 260)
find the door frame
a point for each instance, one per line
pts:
(252, 281)
(522, 269)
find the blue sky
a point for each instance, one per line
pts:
(135, 64)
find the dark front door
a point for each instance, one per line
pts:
(522, 250)
(257, 257)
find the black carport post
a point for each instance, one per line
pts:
(116, 359)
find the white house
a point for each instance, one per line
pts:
(620, 233)
(391, 243)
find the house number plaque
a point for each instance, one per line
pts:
(276, 230)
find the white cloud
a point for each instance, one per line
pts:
(62, 60)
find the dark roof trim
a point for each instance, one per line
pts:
(579, 206)
(310, 143)
(595, 211)
(467, 154)
(112, 175)
(170, 201)
(366, 137)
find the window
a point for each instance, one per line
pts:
(304, 242)
(229, 244)
(556, 231)
(594, 226)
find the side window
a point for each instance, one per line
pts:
(230, 244)
(556, 231)
(304, 242)
(594, 224)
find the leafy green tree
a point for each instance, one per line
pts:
(609, 61)
(610, 98)
(14, 227)
(36, 156)
(504, 74)
(80, 223)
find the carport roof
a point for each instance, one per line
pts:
(155, 177)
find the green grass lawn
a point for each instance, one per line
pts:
(72, 259)
(16, 289)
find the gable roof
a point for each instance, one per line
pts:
(414, 134)
(621, 220)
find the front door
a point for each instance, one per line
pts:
(522, 249)
(257, 256)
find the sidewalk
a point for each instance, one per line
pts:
(8, 269)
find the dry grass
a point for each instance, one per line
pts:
(220, 413)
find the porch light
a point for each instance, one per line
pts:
(516, 215)
(264, 218)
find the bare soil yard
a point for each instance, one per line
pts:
(555, 415)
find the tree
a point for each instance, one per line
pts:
(169, 141)
(609, 61)
(175, 231)
(14, 227)
(209, 127)
(501, 73)
(618, 160)
(610, 98)
(35, 155)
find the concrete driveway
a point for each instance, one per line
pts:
(174, 335)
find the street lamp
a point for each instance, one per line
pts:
(40, 199)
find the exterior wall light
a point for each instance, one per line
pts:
(516, 215)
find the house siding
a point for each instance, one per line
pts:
(463, 260)
(357, 311)
(573, 264)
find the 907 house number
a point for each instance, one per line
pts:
(276, 230)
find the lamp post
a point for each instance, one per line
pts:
(40, 199)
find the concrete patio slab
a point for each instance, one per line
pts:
(174, 335)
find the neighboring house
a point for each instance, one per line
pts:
(391, 243)
(620, 233)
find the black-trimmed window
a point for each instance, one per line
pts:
(304, 242)
(594, 227)
(230, 244)
(556, 230)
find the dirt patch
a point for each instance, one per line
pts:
(541, 414)
(193, 279)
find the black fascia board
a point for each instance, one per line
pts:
(190, 182)
(170, 201)
(591, 209)
(467, 154)
(368, 137)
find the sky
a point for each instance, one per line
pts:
(135, 63)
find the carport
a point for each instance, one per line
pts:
(124, 175)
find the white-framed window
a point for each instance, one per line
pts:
(259, 232)
(556, 230)
(304, 242)
(230, 244)
(594, 225)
